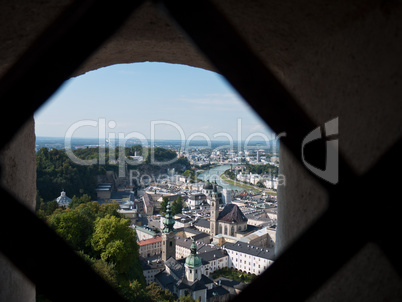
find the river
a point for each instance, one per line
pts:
(213, 175)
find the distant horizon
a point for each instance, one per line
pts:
(60, 143)
(158, 139)
(149, 100)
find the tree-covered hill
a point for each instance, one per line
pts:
(56, 171)
(160, 155)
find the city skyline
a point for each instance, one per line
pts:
(152, 100)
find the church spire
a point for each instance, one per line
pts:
(193, 248)
(168, 235)
(168, 222)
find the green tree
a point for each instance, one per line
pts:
(116, 242)
(74, 227)
(160, 156)
(260, 184)
(109, 209)
(89, 209)
(188, 173)
(105, 240)
(177, 206)
(45, 209)
(156, 293)
(76, 201)
(182, 164)
(187, 298)
(135, 292)
(164, 203)
(106, 270)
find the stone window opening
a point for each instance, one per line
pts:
(393, 261)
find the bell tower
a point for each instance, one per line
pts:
(193, 265)
(168, 235)
(213, 224)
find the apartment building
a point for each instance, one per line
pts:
(150, 247)
(249, 258)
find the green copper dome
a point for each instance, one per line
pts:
(193, 260)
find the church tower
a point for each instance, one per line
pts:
(193, 265)
(168, 236)
(213, 222)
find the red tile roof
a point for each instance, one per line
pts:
(149, 241)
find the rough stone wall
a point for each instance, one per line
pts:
(18, 175)
(21, 22)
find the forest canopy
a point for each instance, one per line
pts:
(56, 171)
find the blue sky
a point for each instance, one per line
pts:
(175, 101)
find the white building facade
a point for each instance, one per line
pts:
(196, 200)
(248, 258)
